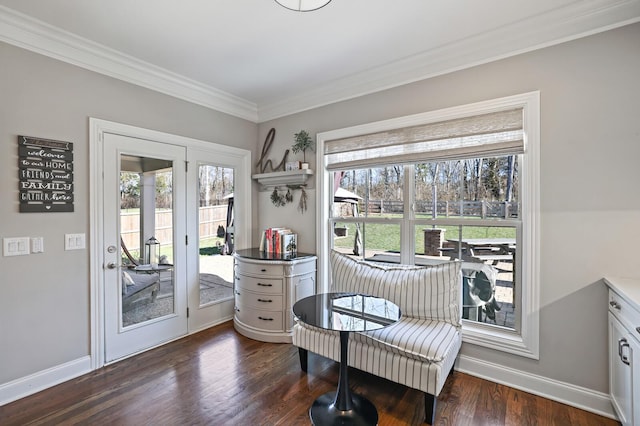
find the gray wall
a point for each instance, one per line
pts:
(590, 101)
(590, 200)
(44, 298)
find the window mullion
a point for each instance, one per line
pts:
(407, 238)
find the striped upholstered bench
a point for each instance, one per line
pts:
(419, 350)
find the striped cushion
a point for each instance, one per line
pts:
(428, 377)
(429, 293)
(423, 340)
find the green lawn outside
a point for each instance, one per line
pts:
(386, 237)
(167, 249)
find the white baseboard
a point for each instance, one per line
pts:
(211, 324)
(566, 393)
(28, 385)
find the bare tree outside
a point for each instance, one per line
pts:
(439, 186)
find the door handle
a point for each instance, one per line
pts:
(112, 265)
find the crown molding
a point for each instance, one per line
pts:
(34, 35)
(579, 19)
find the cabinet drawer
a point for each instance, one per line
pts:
(305, 267)
(246, 268)
(625, 312)
(269, 302)
(257, 318)
(260, 285)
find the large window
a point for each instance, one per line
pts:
(452, 185)
(462, 210)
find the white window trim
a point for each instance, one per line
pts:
(526, 342)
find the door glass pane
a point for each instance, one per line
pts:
(215, 229)
(146, 236)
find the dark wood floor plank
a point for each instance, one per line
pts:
(218, 377)
(457, 402)
(522, 409)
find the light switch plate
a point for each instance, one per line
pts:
(74, 241)
(16, 246)
(37, 245)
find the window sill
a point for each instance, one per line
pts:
(504, 340)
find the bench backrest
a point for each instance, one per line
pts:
(420, 292)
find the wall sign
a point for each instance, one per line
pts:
(45, 175)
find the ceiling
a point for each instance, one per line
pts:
(256, 60)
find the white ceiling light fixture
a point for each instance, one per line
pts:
(303, 5)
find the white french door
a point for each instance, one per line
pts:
(156, 270)
(212, 232)
(144, 247)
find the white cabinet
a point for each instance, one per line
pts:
(266, 287)
(624, 349)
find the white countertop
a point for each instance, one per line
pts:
(629, 288)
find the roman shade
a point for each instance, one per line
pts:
(486, 135)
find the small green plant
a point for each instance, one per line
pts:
(302, 142)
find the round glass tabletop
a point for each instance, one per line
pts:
(346, 311)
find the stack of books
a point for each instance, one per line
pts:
(279, 241)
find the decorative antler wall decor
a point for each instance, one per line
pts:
(263, 163)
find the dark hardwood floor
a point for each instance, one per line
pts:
(218, 377)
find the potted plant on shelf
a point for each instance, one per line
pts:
(302, 142)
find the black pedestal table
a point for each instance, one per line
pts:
(345, 312)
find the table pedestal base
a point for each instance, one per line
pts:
(324, 412)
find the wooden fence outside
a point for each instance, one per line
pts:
(481, 209)
(210, 218)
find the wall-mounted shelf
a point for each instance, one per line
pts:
(291, 177)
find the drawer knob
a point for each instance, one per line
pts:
(263, 270)
(264, 285)
(614, 304)
(265, 319)
(265, 300)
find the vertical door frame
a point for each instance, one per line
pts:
(97, 128)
